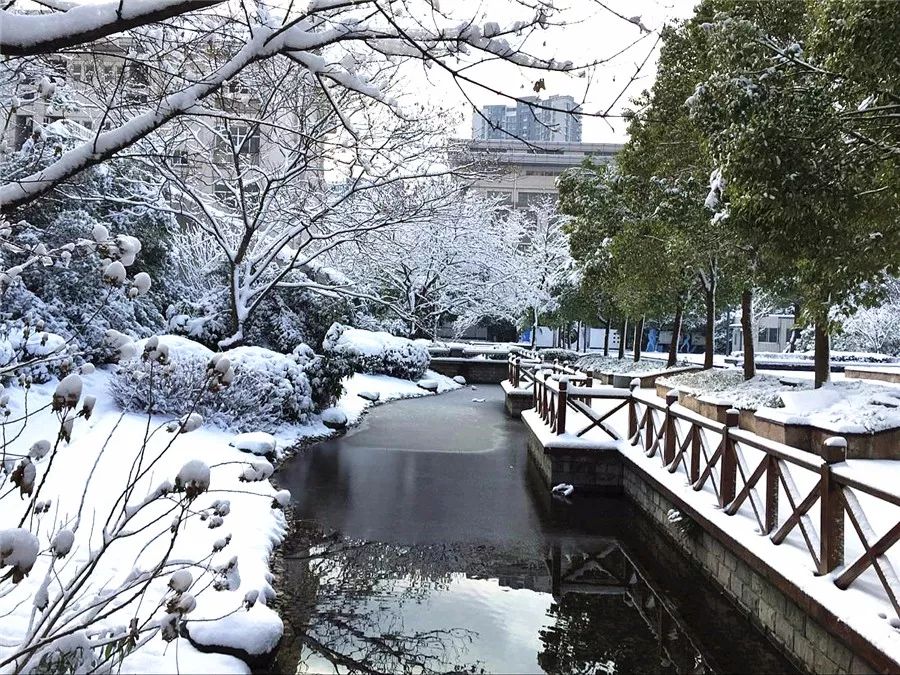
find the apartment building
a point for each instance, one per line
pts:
(533, 119)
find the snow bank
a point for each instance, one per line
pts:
(809, 356)
(242, 523)
(729, 386)
(377, 352)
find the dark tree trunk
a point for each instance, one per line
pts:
(607, 326)
(795, 331)
(823, 354)
(638, 338)
(709, 341)
(622, 334)
(534, 330)
(747, 332)
(676, 337)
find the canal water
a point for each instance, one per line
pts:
(423, 541)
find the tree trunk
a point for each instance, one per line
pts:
(534, 330)
(676, 336)
(709, 342)
(795, 331)
(606, 336)
(747, 333)
(823, 354)
(622, 338)
(638, 338)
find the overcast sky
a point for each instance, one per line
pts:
(596, 34)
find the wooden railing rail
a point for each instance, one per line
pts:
(784, 489)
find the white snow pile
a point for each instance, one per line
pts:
(369, 395)
(847, 407)
(729, 387)
(428, 385)
(377, 352)
(254, 442)
(387, 389)
(334, 418)
(267, 387)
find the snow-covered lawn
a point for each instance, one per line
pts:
(844, 407)
(225, 537)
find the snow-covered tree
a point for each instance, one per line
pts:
(436, 268)
(154, 71)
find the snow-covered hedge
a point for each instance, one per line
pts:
(269, 389)
(376, 352)
(554, 353)
(611, 364)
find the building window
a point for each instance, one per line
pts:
(239, 136)
(224, 195)
(768, 335)
(180, 157)
(237, 87)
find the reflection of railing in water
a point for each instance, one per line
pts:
(611, 572)
(743, 470)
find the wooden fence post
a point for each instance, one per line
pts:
(772, 469)
(728, 472)
(671, 438)
(516, 365)
(632, 411)
(831, 528)
(562, 402)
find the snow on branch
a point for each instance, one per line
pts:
(32, 34)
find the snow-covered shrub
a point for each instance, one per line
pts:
(875, 329)
(267, 386)
(556, 353)
(204, 320)
(375, 352)
(268, 389)
(66, 289)
(326, 374)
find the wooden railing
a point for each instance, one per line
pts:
(523, 365)
(782, 488)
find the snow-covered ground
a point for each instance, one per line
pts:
(842, 406)
(234, 518)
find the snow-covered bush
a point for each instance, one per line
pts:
(375, 352)
(81, 234)
(563, 355)
(326, 374)
(268, 388)
(875, 329)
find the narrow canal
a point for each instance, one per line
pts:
(423, 542)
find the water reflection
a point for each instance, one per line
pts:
(373, 607)
(445, 554)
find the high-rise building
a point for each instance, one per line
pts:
(533, 119)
